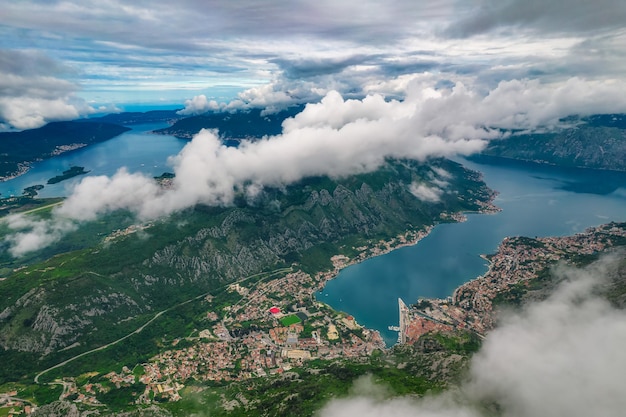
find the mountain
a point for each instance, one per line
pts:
(253, 123)
(133, 118)
(597, 142)
(86, 298)
(18, 150)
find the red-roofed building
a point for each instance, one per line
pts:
(274, 310)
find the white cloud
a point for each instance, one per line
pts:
(339, 137)
(33, 93)
(33, 112)
(563, 356)
(198, 105)
(560, 357)
(441, 173)
(426, 193)
(276, 95)
(31, 235)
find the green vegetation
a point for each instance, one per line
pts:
(95, 286)
(239, 125)
(289, 320)
(32, 190)
(303, 391)
(24, 204)
(120, 398)
(457, 342)
(598, 143)
(67, 174)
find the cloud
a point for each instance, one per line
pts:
(340, 137)
(314, 67)
(426, 193)
(273, 96)
(33, 92)
(302, 47)
(30, 235)
(574, 16)
(559, 357)
(563, 356)
(198, 105)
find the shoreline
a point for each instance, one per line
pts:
(409, 238)
(517, 261)
(22, 168)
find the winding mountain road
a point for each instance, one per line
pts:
(156, 316)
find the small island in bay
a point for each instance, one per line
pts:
(70, 173)
(32, 190)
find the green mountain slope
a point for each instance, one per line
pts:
(239, 125)
(599, 143)
(77, 301)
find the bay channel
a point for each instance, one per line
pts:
(536, 200)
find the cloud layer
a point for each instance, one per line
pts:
(218, 49)
(33, 91)
(559, 357)
(336, 137)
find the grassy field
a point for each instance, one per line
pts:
(289, 320)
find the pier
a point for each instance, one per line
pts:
(404, 320)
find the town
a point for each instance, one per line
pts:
(517, 262)
(276, 323)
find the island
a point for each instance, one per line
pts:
(32, 190)
(67, 174)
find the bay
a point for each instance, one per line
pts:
(137, 149)
(535, 201)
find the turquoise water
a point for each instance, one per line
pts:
(137, 150)
(535, 201)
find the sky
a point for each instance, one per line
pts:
(66, 59)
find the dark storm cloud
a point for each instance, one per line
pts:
(554, 16)
(310, 67)
(190, 23)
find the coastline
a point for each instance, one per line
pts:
(408, 238)
(22, 168)
(474, 305)
(25, 166)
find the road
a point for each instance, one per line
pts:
(58, 203)
(156, 316)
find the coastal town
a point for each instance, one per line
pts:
(517, 262)
(276, 323)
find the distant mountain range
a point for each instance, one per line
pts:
(240, 125)
(133, 118)
(597, 142)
